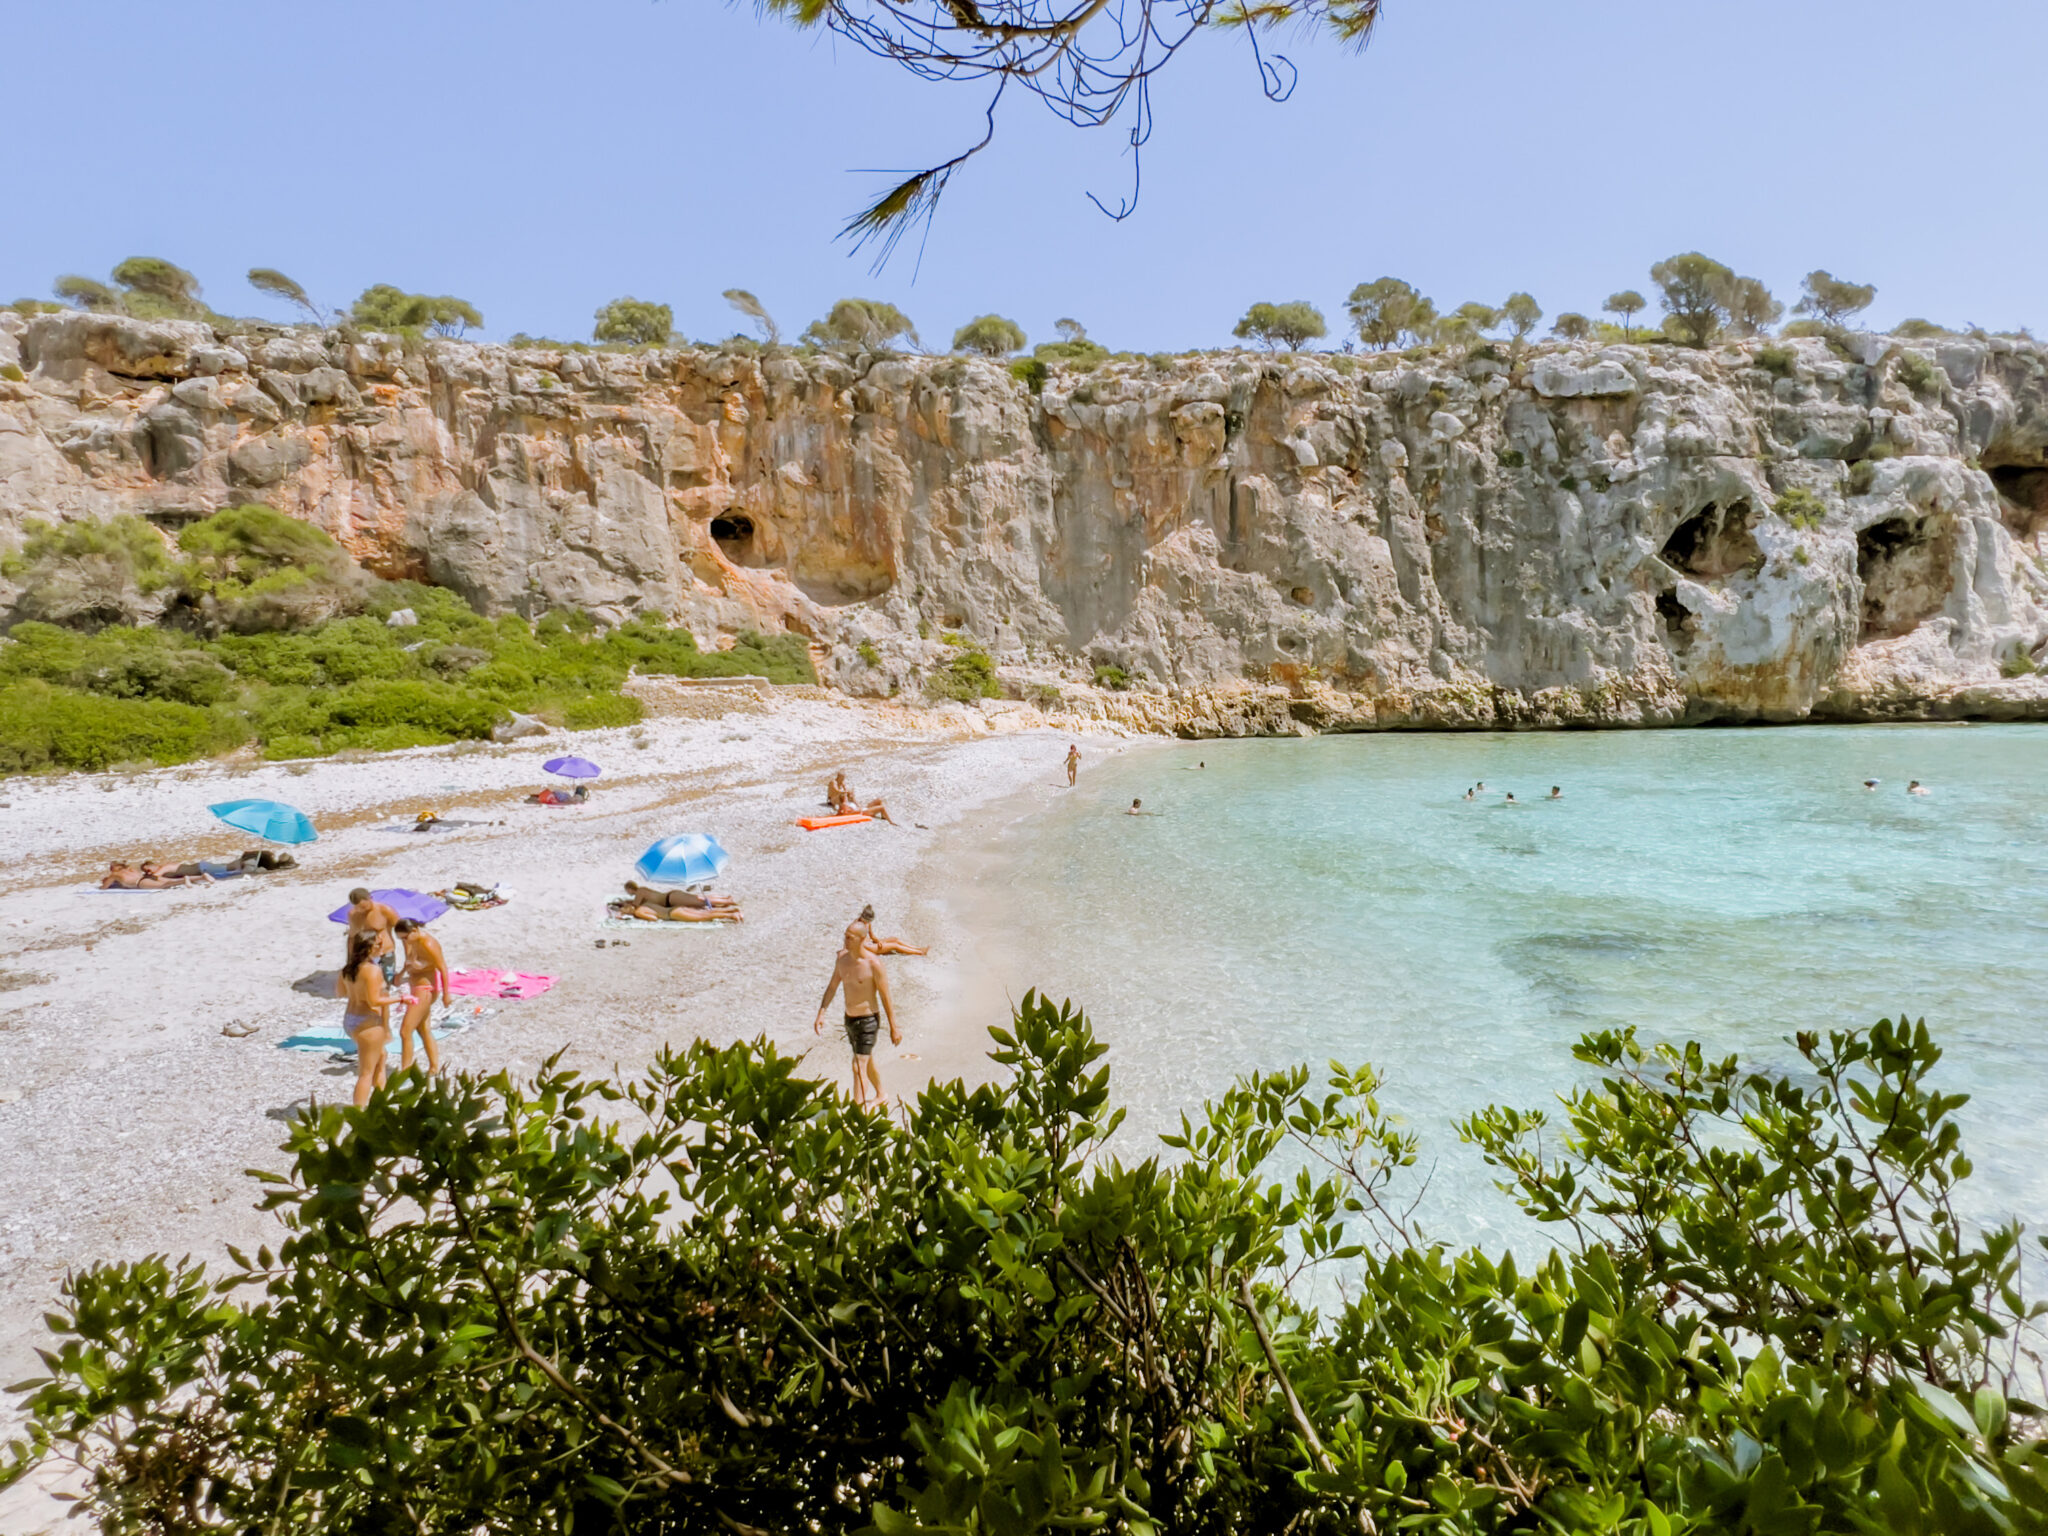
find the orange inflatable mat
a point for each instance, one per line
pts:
(820, 823)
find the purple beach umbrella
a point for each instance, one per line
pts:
(572, 767)
(419, 907)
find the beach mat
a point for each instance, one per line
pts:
(328, 1035)
(820, 823)
(446, 824)
(511, 985)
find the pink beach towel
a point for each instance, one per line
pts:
(507, 984)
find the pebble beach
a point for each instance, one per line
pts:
(141, 1071)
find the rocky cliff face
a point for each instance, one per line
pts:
(1608, 537)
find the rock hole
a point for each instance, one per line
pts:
(1713, 542)
(1303, 596)
(2022, 496)
(1678, 621)
(734, 535)
(1906, 565)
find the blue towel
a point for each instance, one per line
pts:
(329, 1036)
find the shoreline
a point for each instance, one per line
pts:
(128, 1119)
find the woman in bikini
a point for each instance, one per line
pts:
(365, 1020)
(424, 978)
(845, 803)
(885, 946)
(652, 906)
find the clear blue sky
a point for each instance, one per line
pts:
(541, 158)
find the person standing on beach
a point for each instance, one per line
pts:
(866, 983)
(366, 1017)
(426, 977)
(367, 915)
(1073, 762)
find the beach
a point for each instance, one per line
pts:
(127, 1116)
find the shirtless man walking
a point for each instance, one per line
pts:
(862, 975)
(370, 916)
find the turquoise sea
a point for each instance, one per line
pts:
(1336, 897)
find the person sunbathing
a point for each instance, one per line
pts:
(121, 877)
(891, 946)
(574, 796)
(178, 874)
(652, 906)
(648, 896)
(845, 802)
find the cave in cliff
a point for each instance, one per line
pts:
(734, 536)
(2022, 496)
(1714, 542)
(1907, 567)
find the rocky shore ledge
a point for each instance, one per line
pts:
(1832, 529)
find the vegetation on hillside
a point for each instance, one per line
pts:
(263, 631)
(719, 1297)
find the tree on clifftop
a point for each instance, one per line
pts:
(270, 280)
(1282, 325)
(382, 307)
(1571, 326)
(1832, 302)
(1695, 289)
(147, 287)
(1751, 309)
(635, 321)
(990, 335)
(868, 323)
(1386, 309)
(1627, 304)
(1090, 62)
(756, 311)
(1521, 312)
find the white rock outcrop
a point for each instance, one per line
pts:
(1625, 536)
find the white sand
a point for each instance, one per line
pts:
(127, 1119)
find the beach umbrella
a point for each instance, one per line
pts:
(266, 818)
(572, 767)
(685, 859)
(419, 907)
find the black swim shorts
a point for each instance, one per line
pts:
(861, 1029)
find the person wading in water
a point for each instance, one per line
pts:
(861, 974)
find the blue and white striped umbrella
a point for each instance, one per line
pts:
(689, 858)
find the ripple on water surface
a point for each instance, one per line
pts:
(1302, 900)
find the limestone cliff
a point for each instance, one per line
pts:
(1585, 537)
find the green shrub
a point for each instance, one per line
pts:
(44, 727)
(601, 711)
(1114, 678)
(90, 573)
(252, 568)
(1862, 476)
(969, 674)
(868, 654)
(1781, 361)
(1512, 458)
(989, 335)
(1764, 1311)
(12, 373)
(2018, 664)
(1031, 372)
(1801, 508)
(1078, 355)
(1919, 375)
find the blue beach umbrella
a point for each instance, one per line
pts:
(685, 859)
(572, 767)
(266, 818)
(416, 905)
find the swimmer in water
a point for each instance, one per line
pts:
(1480, 786)
(1871, 783)
(1471, 794)
(1556, 792)
(1137, 809)
(1916, 788)
(1511, 800)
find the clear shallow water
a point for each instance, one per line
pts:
(1303, 900)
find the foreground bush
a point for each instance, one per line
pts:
(755, 1308)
